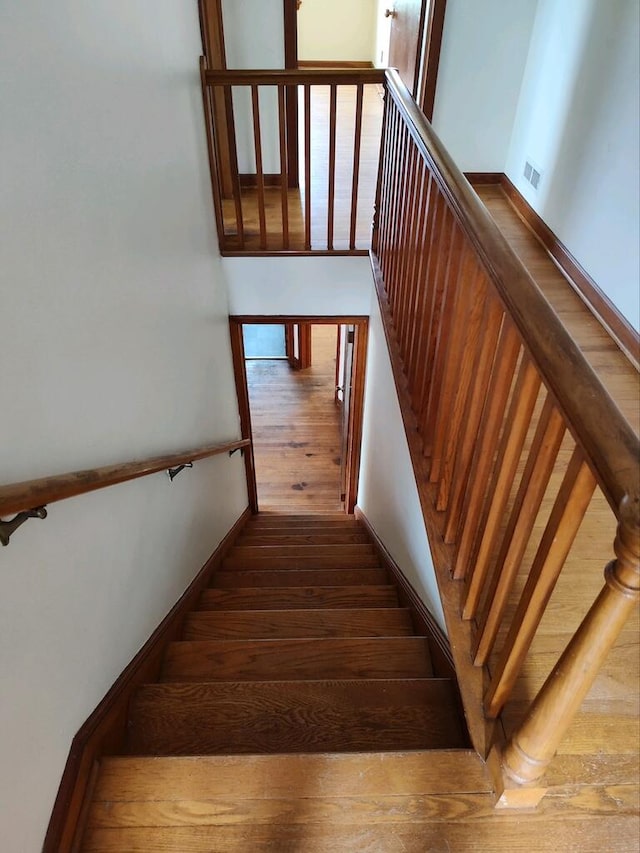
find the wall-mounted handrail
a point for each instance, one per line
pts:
(19, 497)
(606, 437)
(509, 430)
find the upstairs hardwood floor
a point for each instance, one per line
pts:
(296, 430)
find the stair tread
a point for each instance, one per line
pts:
(278, 598)
(312, 561)
(297, 659)
(239, 578)
(295, 716)
(317, 538)
(239, 624)
(303, 550)
(329, 774)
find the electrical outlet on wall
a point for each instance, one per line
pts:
(532, 173)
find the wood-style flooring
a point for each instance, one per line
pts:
(297, 430)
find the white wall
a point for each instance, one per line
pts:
(328, 286)
(387, 492)
(254, 38)
(484, 50)
(578, 120)
(336, 30)
(114, 345)
(382, 35)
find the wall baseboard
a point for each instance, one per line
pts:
(330, 63)
(439, 646)
(602, 308)
(250, 179)
(104, 731)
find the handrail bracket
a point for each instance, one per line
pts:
(7, 528)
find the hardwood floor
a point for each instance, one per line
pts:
(297, 430)
(615, 371)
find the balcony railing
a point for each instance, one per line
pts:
(294, 158)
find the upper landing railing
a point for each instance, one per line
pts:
(294, 158)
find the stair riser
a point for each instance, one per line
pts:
(284, 624)
(297, 659)
(298, 598)
(357, 561)
(232, 578)
(207, 719)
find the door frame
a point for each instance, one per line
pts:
(356, 411)
(429, 55)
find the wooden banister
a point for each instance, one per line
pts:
(510, 431)
(609, 442)
(19, 497)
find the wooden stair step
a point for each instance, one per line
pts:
(309, 522)
(345, 552)
(229, 790)
(297, 659)
(268, 624)
(293, 717)
(334, 774)
(317, 561)
(296, 598)
(319, 538)
(238, 578)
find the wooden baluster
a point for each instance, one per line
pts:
(564, 521)
(382, 153)
(307, 166)
(534, 744)
(333, 109)
(284, 177)
(469, 404)
(511, 444)
(418, 366)
(357, 139)
(492, 419)
(418, 217)
(257, 144)
(397, 200)
(235, 173)
(407, 199)
(467, 347)
(537, 473)
(386, 179)
(443, 281)
(216, 189)
(446, 344)
(422, 296)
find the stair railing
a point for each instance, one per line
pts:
(28, 499)
(259, 118)
(503, 413)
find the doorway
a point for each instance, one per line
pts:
(304, 418)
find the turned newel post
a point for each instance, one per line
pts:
(531, 748)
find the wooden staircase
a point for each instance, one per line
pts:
(298, 688)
